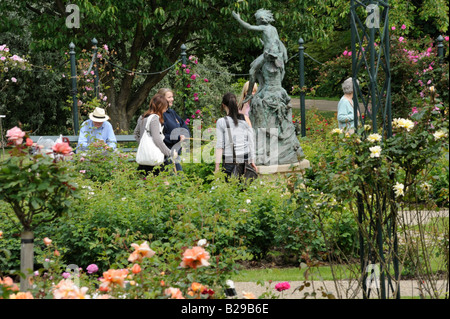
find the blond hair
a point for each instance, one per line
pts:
(244, 93)
(163, 91)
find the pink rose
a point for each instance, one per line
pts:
(345, 52)
(92, 268)
(193, 76)
(15, 135)
(66, 275)
(393, 28)
(401, 39)
(282, 286)
(206, 80)
(446, 38)
(403, 27)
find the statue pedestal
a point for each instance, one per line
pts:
(298, 167)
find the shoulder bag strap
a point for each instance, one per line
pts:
(147, 125)
(231, 139)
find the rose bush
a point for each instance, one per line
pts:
(413, 61)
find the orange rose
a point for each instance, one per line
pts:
(47, 241)
(136, 269)
(248, 295)
(62, 148)
(140, 252)
(22, 295)
(197, 287)
(8, 282)
(174, 293)
(195, 257)
(113, 277)
(28, 141)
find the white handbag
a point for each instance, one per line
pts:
(148, 153)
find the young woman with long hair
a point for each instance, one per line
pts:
(242, 138)
(158, 106)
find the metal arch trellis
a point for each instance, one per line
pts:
(372, 58)
(378, 240)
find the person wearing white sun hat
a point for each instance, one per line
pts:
(97, 128)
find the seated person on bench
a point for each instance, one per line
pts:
(97, 128)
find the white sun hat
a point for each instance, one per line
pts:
(98, 115)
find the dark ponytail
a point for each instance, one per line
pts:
(230, 101)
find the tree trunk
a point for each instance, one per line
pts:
(124, 98)
(26, 259)
(122, 110)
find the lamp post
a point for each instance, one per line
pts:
(73, 76)
(301, 50)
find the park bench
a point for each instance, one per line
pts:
(73, 139)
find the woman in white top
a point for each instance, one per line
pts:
(158, 105)
(241, 134)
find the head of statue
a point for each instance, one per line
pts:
(264, 16)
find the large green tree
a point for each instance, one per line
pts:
(147, 34)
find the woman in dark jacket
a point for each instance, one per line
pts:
(175, 129)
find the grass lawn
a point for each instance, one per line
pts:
(290, 274)
(325, 114)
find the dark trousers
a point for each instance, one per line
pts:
(168, 161)
(146, 170)
(228, 168)
(155, 170)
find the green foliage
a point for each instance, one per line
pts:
(116, 206)
(37, 84)
(99, 162)
(38, 187)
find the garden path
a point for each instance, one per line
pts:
(347, 289)
(321, 105)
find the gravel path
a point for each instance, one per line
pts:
(322, 105)
(347, 289)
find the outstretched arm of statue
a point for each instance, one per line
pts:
(245, 24)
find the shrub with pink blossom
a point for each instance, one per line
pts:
(414, 67)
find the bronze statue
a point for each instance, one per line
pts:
(271, 112)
